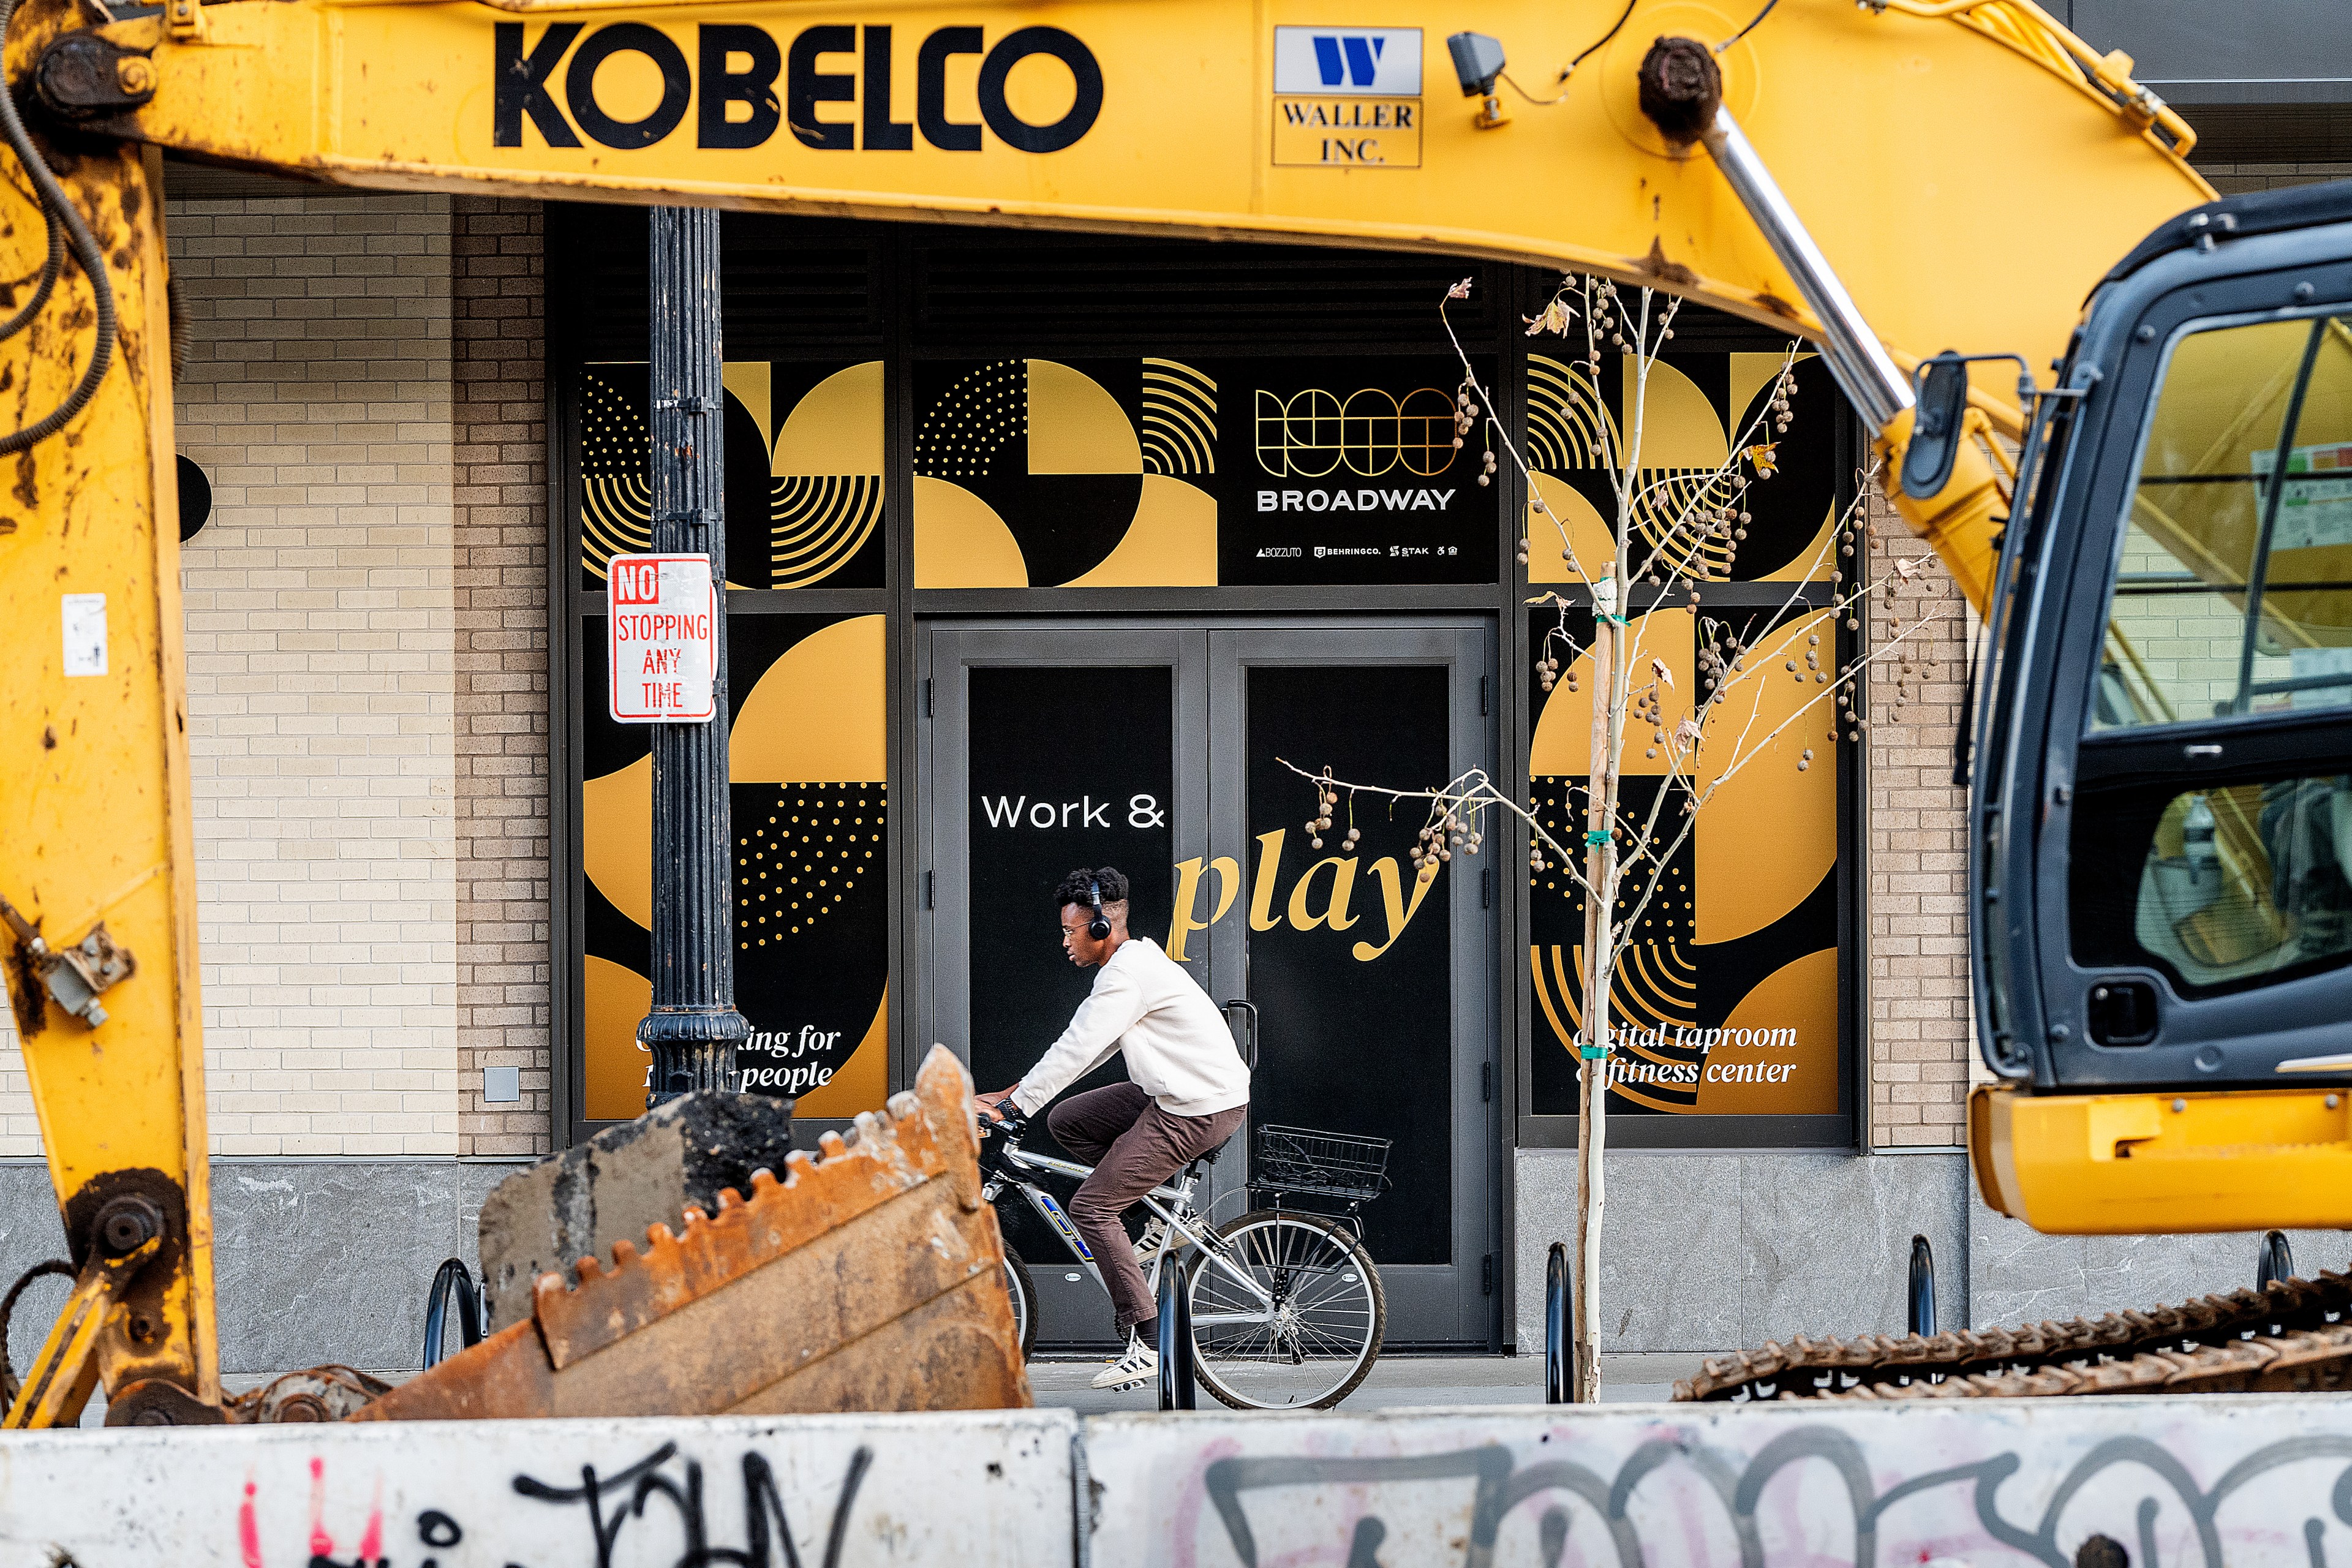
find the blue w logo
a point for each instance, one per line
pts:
(1348, 62)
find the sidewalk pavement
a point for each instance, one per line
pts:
(1397, 1383)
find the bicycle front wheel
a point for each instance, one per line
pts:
(1287, 1313)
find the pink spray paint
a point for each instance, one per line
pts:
(321, 1544)
(248, 1530)
(371, 1538)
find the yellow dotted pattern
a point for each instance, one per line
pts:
(797, 860)
(1559, 806)
(961, 433)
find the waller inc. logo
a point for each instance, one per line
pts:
(1347, 97)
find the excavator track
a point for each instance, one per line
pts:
(2293, 1335)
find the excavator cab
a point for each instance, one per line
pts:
(2161, 853)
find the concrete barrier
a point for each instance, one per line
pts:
(2250, 1482)
(2246, 1481)
(807, 1491)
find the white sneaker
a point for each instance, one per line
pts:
(1154, 1237)
(1138, 1366)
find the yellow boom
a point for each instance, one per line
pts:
(1968, 168)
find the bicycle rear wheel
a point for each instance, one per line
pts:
(1318, 1338)
(1024, 1292)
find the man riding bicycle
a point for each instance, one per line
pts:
(1189, 1092)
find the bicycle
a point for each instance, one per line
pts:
(1274, 1287)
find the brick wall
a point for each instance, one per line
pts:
(1917, 1032)
(501, 671)
(2235, 179)
(366, 673)
(321, 665)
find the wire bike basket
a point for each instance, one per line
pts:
(1303, 1161)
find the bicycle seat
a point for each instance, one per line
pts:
(1198, 1164)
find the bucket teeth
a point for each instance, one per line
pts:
(926, 1137)
(868, 1279)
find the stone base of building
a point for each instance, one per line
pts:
(316, 1260)
(1712, 1252)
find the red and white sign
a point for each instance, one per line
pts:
(663, 640)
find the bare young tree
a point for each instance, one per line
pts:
(1672, 530)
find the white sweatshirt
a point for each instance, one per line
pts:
(1178, 1050)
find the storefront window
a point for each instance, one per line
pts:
(1728, 999)
(811, 818)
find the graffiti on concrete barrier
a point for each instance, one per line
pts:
(1738, 1482)
(659, 1485)
(612, 1502)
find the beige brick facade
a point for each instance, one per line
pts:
(321, 669)
(501, 671)
(1917, 1031)
(366, 636)
(2236, 179)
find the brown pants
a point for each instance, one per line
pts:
(1133, 1146)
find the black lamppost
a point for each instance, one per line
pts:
(694, 1029)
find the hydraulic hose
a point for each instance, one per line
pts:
(58, 209)
(56, 264)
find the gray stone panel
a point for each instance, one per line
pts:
(322, 1261)
(2019, 1276)
(1827, 1242)
(30, 1232)
(315, 1260)
(1670, 1247)
(1705, 1253)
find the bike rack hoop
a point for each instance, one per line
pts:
(1559, 1321)
(1176, 1385)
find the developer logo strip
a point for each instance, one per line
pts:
(736, 74)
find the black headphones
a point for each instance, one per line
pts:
(1097, 927)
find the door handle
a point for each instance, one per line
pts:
(1249, 1053)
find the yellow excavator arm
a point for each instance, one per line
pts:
(1966, 168)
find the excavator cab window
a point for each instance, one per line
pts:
(2231, 611)
(2182, 651)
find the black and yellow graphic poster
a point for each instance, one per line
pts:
(1725, 1000)
(1355, 470)
(810, 803)
(1698, 413)
(804, 482)
(1166, 472)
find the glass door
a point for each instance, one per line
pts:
(1046, 749)
(1375, 990)
(1163, 750)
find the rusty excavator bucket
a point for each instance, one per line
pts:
(871, 1278)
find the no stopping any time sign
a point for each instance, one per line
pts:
(662, 639)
